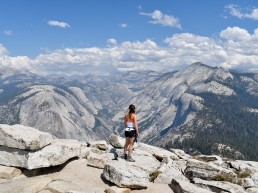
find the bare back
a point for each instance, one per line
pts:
(131, 121)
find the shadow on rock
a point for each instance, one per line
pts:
(47, 170)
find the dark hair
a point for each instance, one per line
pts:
(131, 109)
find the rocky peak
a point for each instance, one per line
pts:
(199, 72)
(199, 64)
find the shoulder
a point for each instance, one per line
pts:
(134, 116)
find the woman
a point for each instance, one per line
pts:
(131, 131)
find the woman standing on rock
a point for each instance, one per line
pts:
(131, 131)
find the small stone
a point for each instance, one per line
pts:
(99, 161)
(101, 145)
(116, 141)
(252, 190)
(255, 178)
(248, 183)
(115, 189)
(9, 172)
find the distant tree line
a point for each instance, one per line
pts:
(224, 120)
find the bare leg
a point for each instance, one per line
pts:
(130, 146)
(126, 146)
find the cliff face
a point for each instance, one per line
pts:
(64, 113)
(34, 161)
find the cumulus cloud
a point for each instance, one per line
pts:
(58, 24)
(235, 33)
(8, 32)
(123, 25)
(17, 62)
(189, 48)
(242, 51)
(236, 11)
(160, 18)
(228, 50)
(126, 56)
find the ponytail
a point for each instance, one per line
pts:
(131, 110)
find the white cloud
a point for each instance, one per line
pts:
(3, 50)
(234, 10)
(123, 25)
(250, 13)
(58, 24)
(242, 52)
(17, 62)
(180, 49)
(126, 56)
(160, 18)
(188, 48)
(8, 32)
(111, 42)
(235, 33)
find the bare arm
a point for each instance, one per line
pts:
(125, 121)
(136, 124)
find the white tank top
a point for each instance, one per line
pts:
(130, 124)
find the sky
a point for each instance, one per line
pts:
(76, 37)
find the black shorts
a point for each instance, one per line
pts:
(130, 134)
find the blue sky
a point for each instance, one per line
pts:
(75, 36)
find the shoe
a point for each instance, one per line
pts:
(125, 156)
(130, 159)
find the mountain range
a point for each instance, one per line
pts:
(200, 109)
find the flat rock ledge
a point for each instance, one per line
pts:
(172, 171)
(21, 137)
(56, 153)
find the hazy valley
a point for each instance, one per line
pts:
(200, 109)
